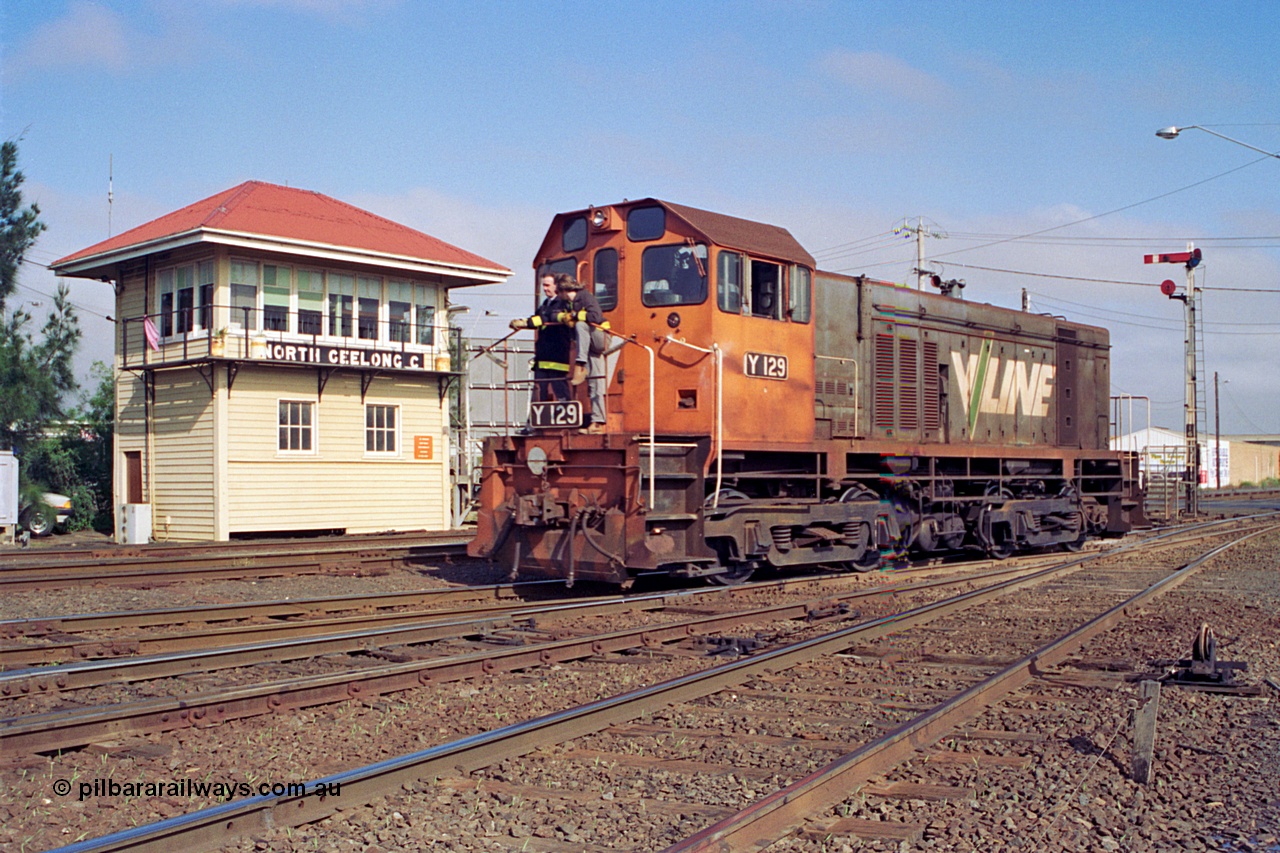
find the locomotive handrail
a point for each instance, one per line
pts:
(652, 416)
(718, 356)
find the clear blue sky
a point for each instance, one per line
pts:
(477, 121)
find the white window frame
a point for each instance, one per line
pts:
(396, 431)
(314, 428)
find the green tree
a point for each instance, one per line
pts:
(36, 375)
(75, 460)
(19, 228)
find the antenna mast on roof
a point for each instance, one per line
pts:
(110, 189)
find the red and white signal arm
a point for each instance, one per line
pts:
(1191, 258)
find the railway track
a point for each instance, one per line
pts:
(530, 639)
(755, 691)
(220, 561)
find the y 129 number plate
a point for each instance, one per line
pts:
(555, 414)
(765, 366)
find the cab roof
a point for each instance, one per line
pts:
(730, 232)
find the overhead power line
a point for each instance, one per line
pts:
(1102, 280)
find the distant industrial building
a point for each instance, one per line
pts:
(282, 365)
(1163, 454)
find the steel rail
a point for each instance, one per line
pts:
(309, 607)
(244, 637)
(421, 628)
(77, 648)
(43, 557)
(776, 815)
(65, 729)
(35, 733)
(294, 641)
(67, 661)
(276, 609)
(130, 570)
(219, 824)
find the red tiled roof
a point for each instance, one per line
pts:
(268, 210)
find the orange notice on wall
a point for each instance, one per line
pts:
(422, 446)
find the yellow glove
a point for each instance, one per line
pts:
(564, 317)
(519, 323)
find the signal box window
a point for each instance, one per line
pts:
(276, 286)
(166, 303)
(380, 433)
(370, 306)
(424, 314)
(605, 277)
(185, 285)
(674, 275)
(575, 234)
(729, 282)
(766, 290)
(310, 302)
(297, 422)
(205, 284)
(646, 223)
(244, 294)
(399, 310)
(342, 289)
(800, 308)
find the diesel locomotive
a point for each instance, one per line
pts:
(765, 414)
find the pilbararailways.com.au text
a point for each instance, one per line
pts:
(188, 788)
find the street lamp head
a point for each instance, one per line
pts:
(1168, 132)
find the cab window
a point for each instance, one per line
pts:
(574, 236)
(801, 294)
(674, 275)
(766, 290)
(605, 278)
(560, 265)
(646, 223)
(729, 282)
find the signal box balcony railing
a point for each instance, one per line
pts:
(176, 339)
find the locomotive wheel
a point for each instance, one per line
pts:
(736, 573)
(869, 562)
(1075, 545)
(1003, 551)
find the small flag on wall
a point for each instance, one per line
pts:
(153, 335)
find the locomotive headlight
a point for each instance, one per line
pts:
(599, 218)
(537, 461)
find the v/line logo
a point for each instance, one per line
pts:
(987, 388)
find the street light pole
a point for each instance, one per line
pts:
(1172, 133)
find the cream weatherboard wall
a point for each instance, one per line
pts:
(337, 484)
(182, 428)
(130, 424)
